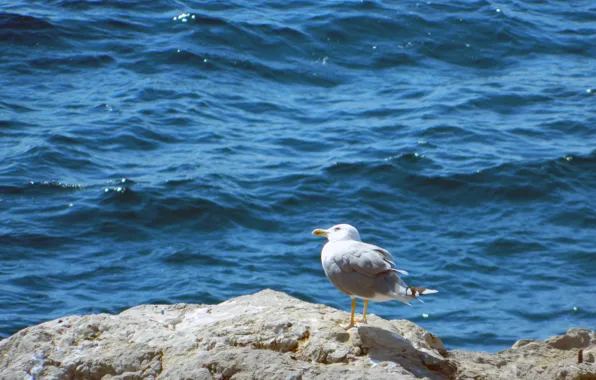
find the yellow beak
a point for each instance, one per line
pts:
(319, 232)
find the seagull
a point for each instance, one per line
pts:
(362, 270)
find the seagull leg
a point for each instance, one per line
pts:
(364, 312)
(352, 317)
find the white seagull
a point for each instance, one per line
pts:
(363, 270)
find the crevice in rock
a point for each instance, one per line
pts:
(161, 356)
(302, 340)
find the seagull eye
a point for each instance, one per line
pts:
(337, 228)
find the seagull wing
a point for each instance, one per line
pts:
(361, 269)
(368, 259)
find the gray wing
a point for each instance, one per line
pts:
(369, 259)
(362, 270)
(387, 257)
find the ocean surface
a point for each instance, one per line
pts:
(183, 151)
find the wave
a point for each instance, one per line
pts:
(65, 64)
(25, 32)
(203, 61)
(188, 257)
(10, 22)
(51, 160)
(32, 240)
(513, 182)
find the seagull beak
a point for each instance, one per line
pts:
(320, 232)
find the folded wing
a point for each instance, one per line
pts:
(369, 259)
(364, 270)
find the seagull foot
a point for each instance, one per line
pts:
(347, 327)
(361, 320)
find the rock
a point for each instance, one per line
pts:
(270, 335)
(555, 358)
(589, 356)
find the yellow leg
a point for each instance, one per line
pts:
(352, 317)
(364, 312)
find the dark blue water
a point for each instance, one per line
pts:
(183, 151)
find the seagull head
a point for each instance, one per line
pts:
(339, 232)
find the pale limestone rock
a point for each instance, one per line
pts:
(555, 358)
(589, 356)
(269, 335)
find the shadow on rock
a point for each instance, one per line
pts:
(388, 346)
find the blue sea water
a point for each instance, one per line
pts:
(183, 151)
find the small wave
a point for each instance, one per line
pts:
(355, 29)
(394, 59)
(20, 31)
(200, 63)
(538, 316)
(80, 273)
(40, 187)
(444, 131)
(49, 160)
(581, 217)
(169, 207)
(148, 94)
(68, 63)
(132, 141)
(302, 144)
(17, 108)
(505, 247)
(15, 21)
(511, 182)
(199, 19)
(571, 127)
(33, 240)
(506, 103)
(396, 166)
(179, 182)
(56, 185)
(33, 282)
(187, 257)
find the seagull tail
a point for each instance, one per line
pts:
(406, 294)
(414, 292)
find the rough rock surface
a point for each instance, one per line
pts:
(270, 335)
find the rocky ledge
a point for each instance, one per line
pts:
(270, 335)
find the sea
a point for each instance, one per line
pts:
(170, 151)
